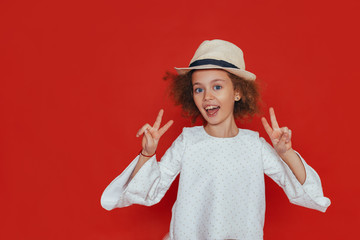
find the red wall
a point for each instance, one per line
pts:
(78, 78)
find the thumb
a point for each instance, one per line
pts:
(148, 137)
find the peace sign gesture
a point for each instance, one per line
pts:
(152, 134)
(280, 137)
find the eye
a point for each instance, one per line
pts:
(217, 87)
(198, 90)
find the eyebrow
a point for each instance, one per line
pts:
(215, 80)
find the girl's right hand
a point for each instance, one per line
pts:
(152, 134)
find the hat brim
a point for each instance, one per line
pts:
(238, 72)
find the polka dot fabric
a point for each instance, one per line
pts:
(221, 192)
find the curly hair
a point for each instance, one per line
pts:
(181, 90)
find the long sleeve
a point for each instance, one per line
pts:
(309, 194)
(150, 183)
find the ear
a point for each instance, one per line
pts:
(237, 96)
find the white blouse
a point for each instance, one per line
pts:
(221, 193)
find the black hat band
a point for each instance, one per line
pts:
(207, 61)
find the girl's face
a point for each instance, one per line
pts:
(214, 95)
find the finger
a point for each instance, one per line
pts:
(290, 134)
(266, 125)
(142, 129)
(274, 123)
(285, 129)
(284, 137)
(286, 133)
(158, 119)
(165, 127)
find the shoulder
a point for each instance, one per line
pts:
(251, 137)
(193, 134)
(254, 138)
(249, 134)
(192, 131)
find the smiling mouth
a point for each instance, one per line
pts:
(212, 110)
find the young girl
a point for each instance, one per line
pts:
(221, 193)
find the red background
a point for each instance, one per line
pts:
(78, 78)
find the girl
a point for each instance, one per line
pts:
(221, 193)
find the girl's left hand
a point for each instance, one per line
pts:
(280, 137)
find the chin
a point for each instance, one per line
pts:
(212, 121)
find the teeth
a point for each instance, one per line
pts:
(211, 107)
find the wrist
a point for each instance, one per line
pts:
(145, 154)
(287, 153)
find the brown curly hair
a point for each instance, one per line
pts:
(181, 90)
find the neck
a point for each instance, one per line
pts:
(226, 129)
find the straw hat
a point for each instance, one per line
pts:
(219, 54)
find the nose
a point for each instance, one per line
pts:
(208, 96)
